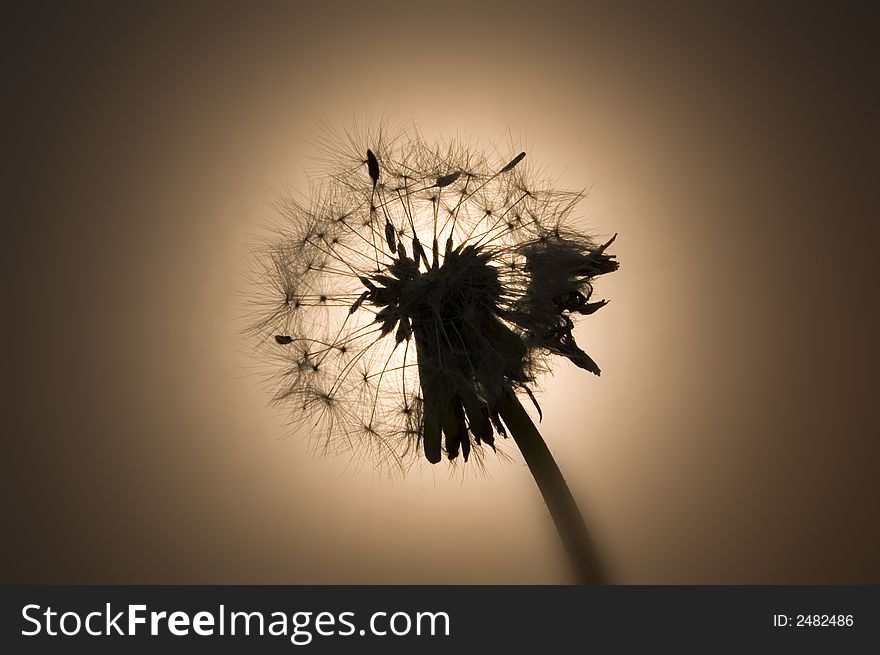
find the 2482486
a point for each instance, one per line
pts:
(813, 621)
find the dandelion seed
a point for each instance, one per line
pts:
(372, 166)
(397, 356)
(446, 180)
(514, 162)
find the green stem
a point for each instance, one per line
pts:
(563, 509)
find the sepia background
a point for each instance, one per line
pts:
(732, 437)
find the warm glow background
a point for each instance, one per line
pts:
(732, 437)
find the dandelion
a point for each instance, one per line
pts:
(415, 293)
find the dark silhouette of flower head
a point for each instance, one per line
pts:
(416, 288)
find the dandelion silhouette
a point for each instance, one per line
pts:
(415, 292)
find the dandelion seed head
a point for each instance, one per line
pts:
(415, 285)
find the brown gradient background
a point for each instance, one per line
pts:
(732, 437)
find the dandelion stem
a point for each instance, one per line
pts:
(563, 509)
